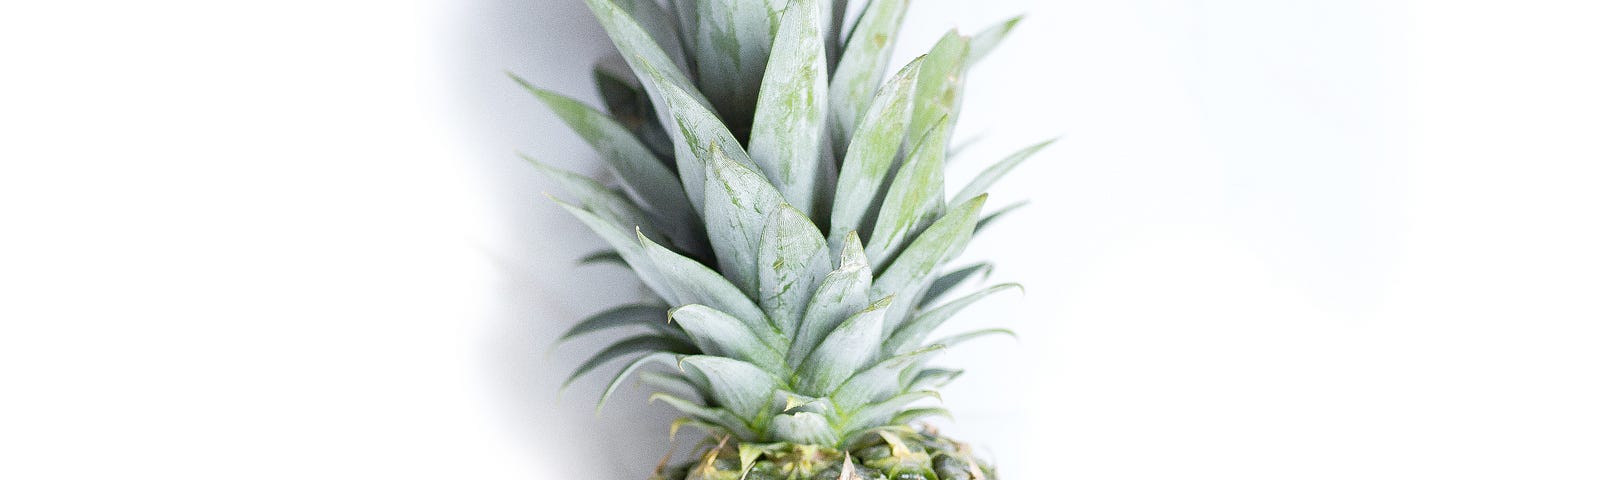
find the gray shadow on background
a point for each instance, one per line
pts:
(534, 245)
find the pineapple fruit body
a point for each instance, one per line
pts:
(905, 455)
(780, 191)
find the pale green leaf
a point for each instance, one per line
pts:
(990, 218)
(803, 428)
(722, 418)
(718, 333)
(649, 315)
(597, 198)
(738, 204)
(985, 41)
(993, 174)
(906, 416)
(786, 137)
(627, 246)
(625, 347)
(645, 177)
(878, 382)
(642, 53)
(957, 339)
(734, 38)
(842, 293)
(879, 414)
(872, 154)
(693, 283)
(741, 387)
(662, 358)
(911, 334)
(862, 66)
(603, 256)
(951, 279)
(792, 261)
(911, 271)
(932, 378)
(848, 348)
(940, 84)
(696, 133)
(914, 200)
(653, 18)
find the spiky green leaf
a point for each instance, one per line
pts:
(792, 261)
(993, 174)
(880, 381)
(863, 64)
(985, 41)
(845, 350)
(872, 154)
(911, 271)
(718, 333)
(940, 84)
(694, 283)
(738, 203)
(741, 387)
(915, 197)
(951, 279)
(786, 137)
(911, 334)
(649, 315)
(842, 293)
(625, 347)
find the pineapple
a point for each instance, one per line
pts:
(782, 196)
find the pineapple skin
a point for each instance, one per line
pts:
(919, 455)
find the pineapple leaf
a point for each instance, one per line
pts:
(603, 256)
(669, 381)
(642, 53)
(786, 136)
(862, 65)
(842, 293)
(803, 428)
(717, 333)
(696, 135)
(933, 378)
(985, 41)
(915, 197)
(652, 18)
(733, 40)
(625, 347)
(646, 179)
(949, 280)
(663, 358)
(993, 174)
(954, 340)
(792, 261)
(879, 381)
(597, 198)
(879, 414)
(913, 332)
(906, 416)
(644, 314)
(684, 11)
(990, 218)
(939, 85)
(942, 241)
(627, 247)
(738, 203)
(741, 387)
(723, 419)
(693, 283)
(872, 153)
(842, 352)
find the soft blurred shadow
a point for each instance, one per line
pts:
(534, 245)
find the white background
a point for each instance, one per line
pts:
(1279, 239)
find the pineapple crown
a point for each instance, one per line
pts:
(786, 205)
